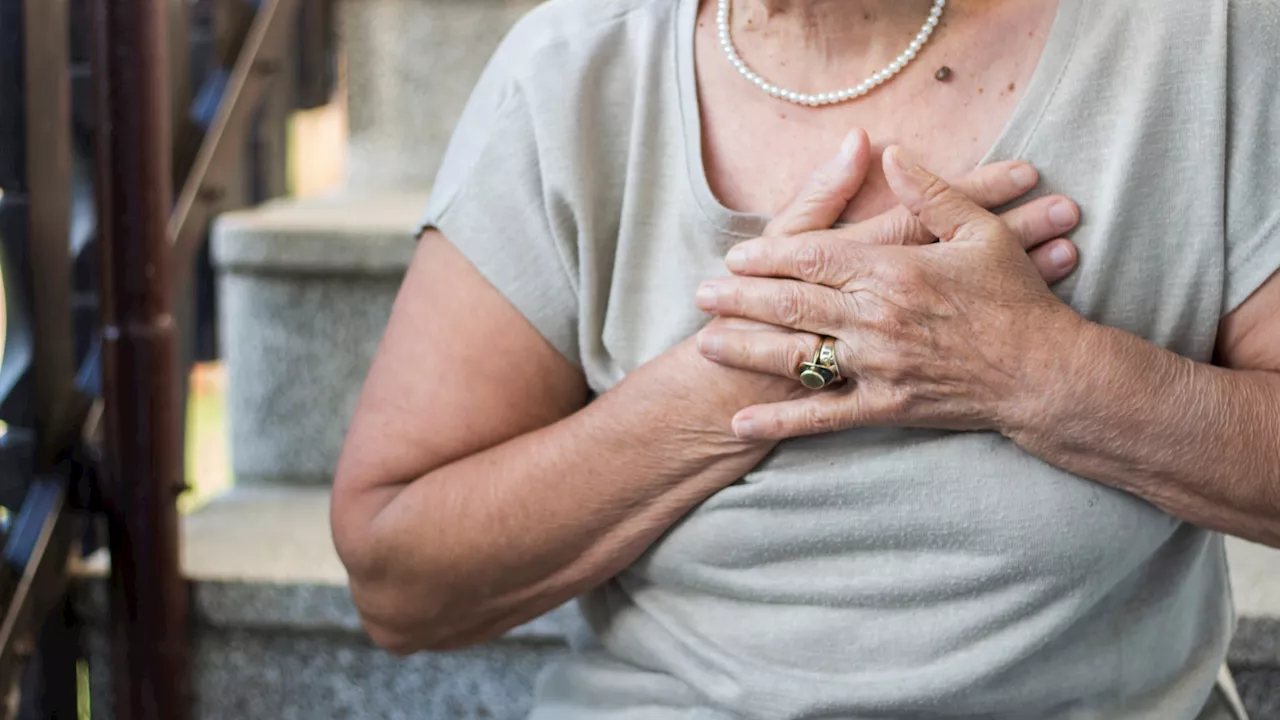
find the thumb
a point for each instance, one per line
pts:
(947, 213)
(827, 192)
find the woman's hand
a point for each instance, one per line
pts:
(955, 335)
(808, 218)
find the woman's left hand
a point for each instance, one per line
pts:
(963, 334)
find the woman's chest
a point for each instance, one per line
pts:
(1150, 247)
(949, 107)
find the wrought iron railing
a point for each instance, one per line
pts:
(92, 417)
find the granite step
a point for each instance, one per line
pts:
(306, 289)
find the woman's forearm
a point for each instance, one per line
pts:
(1200, 442)
(498, 538)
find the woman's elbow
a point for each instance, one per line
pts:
(405, 601)
(404, 622)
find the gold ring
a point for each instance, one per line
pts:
(823, 371)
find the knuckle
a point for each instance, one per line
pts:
(812, 261)
(986, 189)
(818, 419)
(905, 229)
(791, 307)
(893, 321)
(897, 406)
(800, 350)
(896, 276)
(935, 190)
(733, 297)
(912, 276)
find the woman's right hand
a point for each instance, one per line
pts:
(715, 393)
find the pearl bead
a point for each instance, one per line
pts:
(826, 98)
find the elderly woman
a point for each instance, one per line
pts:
(891, 477)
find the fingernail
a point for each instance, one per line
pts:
(707, 295)
(1060, 255)
(736, 260)
(745, 428)
(849, 146)
(1063, 215)
(904, 159)
(1023, 176)
(709, 345)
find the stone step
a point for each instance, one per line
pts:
(278, 637)
(411, 65)
(306, 289)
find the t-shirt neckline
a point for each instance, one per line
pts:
(1009, 144)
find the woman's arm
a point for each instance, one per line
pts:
(963, 335)
(1200, 442)
(475, 492)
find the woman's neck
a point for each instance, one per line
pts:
(828, 29)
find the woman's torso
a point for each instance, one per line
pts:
(894, 573)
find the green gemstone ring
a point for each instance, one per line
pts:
(823, 371)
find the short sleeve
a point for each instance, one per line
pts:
(1253, 150)
(490, 201)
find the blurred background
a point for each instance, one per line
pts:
(305, 137)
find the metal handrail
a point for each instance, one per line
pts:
(261, 58)
(146, 247)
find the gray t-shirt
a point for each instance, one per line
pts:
(885, 573)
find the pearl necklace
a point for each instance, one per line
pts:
(832, 98)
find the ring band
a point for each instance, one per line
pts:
(823, 371)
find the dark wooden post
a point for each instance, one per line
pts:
(148, 627)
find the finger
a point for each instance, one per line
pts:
(770, 353)
(945, 211)
(848, 407)
(1055, 260)
(745, 325)
(989, 186)
(1042, 220)
(827, 192)
(821, 258)
(998, 183)
(785, 303)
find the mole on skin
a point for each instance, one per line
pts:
(943, 74)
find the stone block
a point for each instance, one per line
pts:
(411, 65)
(255, 674)
(306, 290)
(241, 674)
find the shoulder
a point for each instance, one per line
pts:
(558, 96)
(561, 36)
(1247, 26)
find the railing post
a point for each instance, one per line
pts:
(143, 451)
